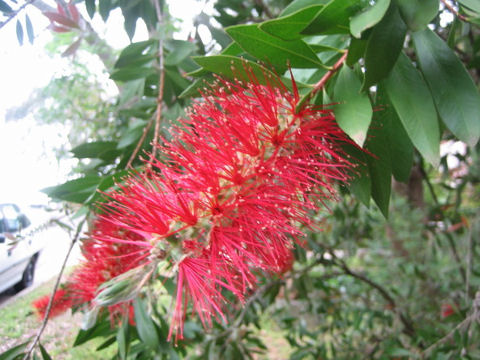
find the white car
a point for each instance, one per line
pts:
(18, 249)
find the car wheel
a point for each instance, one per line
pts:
(28, 275)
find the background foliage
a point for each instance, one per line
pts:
(391, 277)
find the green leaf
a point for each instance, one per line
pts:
(135, 51)
(401, 148)
(273, 50)
(145, 326)
(356, 50)
(104, 8)
(353, 111)
(289, 27)
(101, 329)
(91, 7)
(45, 355)
(414, 106)
(334, 18)
(296, 5)
(77, 190)
(94, 149)
(380, 163)
(28, 25)
(360, 184)
(417, 14)
(123, 339)
(455, 94)
(132, 73)
(368, 18)
(4, 7)
(19, 31)
(471, 4)
(14, 352)
(179, 50)
(384, 45)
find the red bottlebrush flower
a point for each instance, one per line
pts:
(61, 303)
(447, 310)
(236, 181)
(106, 257)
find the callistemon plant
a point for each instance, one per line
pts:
(226, 199)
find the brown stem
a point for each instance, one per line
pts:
(453, 11)
(55, 288)
(158, 113)
(15, 13)
(319, 86)
(408, 326)
(146, 129)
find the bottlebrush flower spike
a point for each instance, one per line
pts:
(61, 303)
(239, 177)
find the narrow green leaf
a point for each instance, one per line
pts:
(380, 163)
(273, 50)
(353, 111)
(471, 4)
(101, 328)
(179, 50)
(28, 25)
(233, 49)
(132, 73)
(14, 352)
(356, 51)
(91, 7)
(93, 149)
(145, 326)
(134, 52)
(45, 355)
(4, 7)
(289, 27)
(104, 8)
(19, 30)
(368, 18)
(334, 18)
(417, 14)
(77, 190)
(123, 340)
(296, 5)
(401, 148)
(455, 94)
(384, 45)
(361, 184)
(414, 106)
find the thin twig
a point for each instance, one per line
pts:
(463, 326)
(453, 11)
(319, 86)
(450, 240)
(15, 13)
(50, 302)
(146, 129)
(408, 326)
(161, 82)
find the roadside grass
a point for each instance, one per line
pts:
(19, 323)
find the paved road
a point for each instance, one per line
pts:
(57, 242)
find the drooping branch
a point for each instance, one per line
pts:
(36, 340)
(158, 113)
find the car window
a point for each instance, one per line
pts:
(11, 217)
